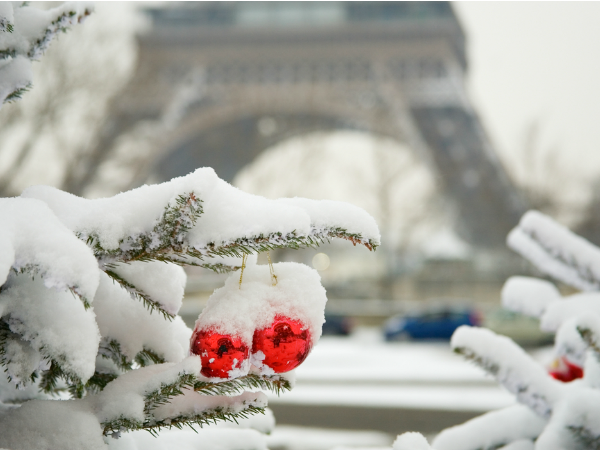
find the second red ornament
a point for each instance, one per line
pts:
(284, 345)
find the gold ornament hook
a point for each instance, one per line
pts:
(273, 276)
(244, 256)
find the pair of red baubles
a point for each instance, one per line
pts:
(285, 344)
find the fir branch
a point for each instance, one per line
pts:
(6, 26)
(204, 418)
(8, 53)
(111, 349)
(138, 294)
(5, 336)
(34, 269)
(207, 417)
(274, 383)
(480, 361)
(60, 23)
(50, 378)
(263, 243)
(569, 260)
(168, 242)
(587, 439)
(168, 237)
(166, 392)
(49, 381)
(342, 233)
(219, 267)
(148, 357)
(590, 339)
(98, 382)
(519, 374)
(117, 426)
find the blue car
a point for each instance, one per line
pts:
(429, 325)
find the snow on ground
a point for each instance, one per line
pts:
(301, 438)
(362, 370)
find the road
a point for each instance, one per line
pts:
(389, 420)
(363, 383)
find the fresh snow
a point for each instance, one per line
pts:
(163, 282)
(527, 295)
(33, 31)
(239, 310)
(556, 251)
(411, 441)
(491, 430)
(32, 238)
(128, 321)
(229, 214)
(55, 323)
(511, 366)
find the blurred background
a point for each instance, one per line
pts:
(445, 121)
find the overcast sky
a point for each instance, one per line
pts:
(537, 61)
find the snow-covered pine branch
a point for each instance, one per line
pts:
(529, 296)
(492, 430)
(195, 218)
(510, 365)
(25, 34)
(556, 251)
(121, 257)
(80, 280)
(553, 415)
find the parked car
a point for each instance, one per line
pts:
(337, 325)
(524, 330)
(438, 324)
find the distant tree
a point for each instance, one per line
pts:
(48, 135)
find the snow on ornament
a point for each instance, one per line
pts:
(277, 317)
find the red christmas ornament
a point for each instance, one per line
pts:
(285, 344)
(565, 371)
(219, 353)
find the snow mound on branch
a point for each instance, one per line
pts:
(125, 395)
(530, 296)
(34, 28)
(492, 430)
(521, 444)
(569, 343)
(557, 251)
(187, 439)
(229, 214)
(239, 311)
(574, 424)
(21, 361)
(411, 441)
(511, 366)
(31, 237)
(54, 322)
(128, 321)
(191, 403)
(326, 214)
(572, 306)
(51, 424)
(32, 32)
(163, 282)
(15, 73)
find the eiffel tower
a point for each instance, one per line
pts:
(274, 70)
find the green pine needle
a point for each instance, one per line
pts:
(138, 294)
(480, 361)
